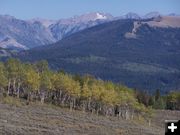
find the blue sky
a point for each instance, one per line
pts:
(56, 9)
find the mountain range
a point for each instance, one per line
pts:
(26, 34)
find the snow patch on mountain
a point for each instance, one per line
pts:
(65, 27)
(100, 16)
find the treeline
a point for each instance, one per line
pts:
(170, 101)
(36, 82)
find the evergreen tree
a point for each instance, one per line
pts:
(157, 94)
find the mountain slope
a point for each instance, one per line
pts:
(26, 34)
(6, 53)
(148, 59)
(66, 27)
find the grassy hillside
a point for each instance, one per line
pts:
(45, 119)
(38, 119)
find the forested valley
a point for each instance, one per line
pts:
(36, 82)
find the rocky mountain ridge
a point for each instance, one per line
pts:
(26, 34)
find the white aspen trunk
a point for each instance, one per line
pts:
(127, 115)
(119, 114)
(89, 104)
(63, 100)
(149, 121)
(92, 111)
(14, 86)
(74, 103)
(29, 96)
(97, 112)
(84, 106)
(42, 98)
(9, 85)
(60, 96)
(18, 90)
(71, 105)
(106, 112)
(132, 116)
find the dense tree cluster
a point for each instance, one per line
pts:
(170, 101)
(37, 82)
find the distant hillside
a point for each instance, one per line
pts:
(127, 51)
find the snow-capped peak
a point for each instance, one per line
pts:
(86, 18)
(100, 16)
(93, 16)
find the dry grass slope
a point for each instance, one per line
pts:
(36, 119)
